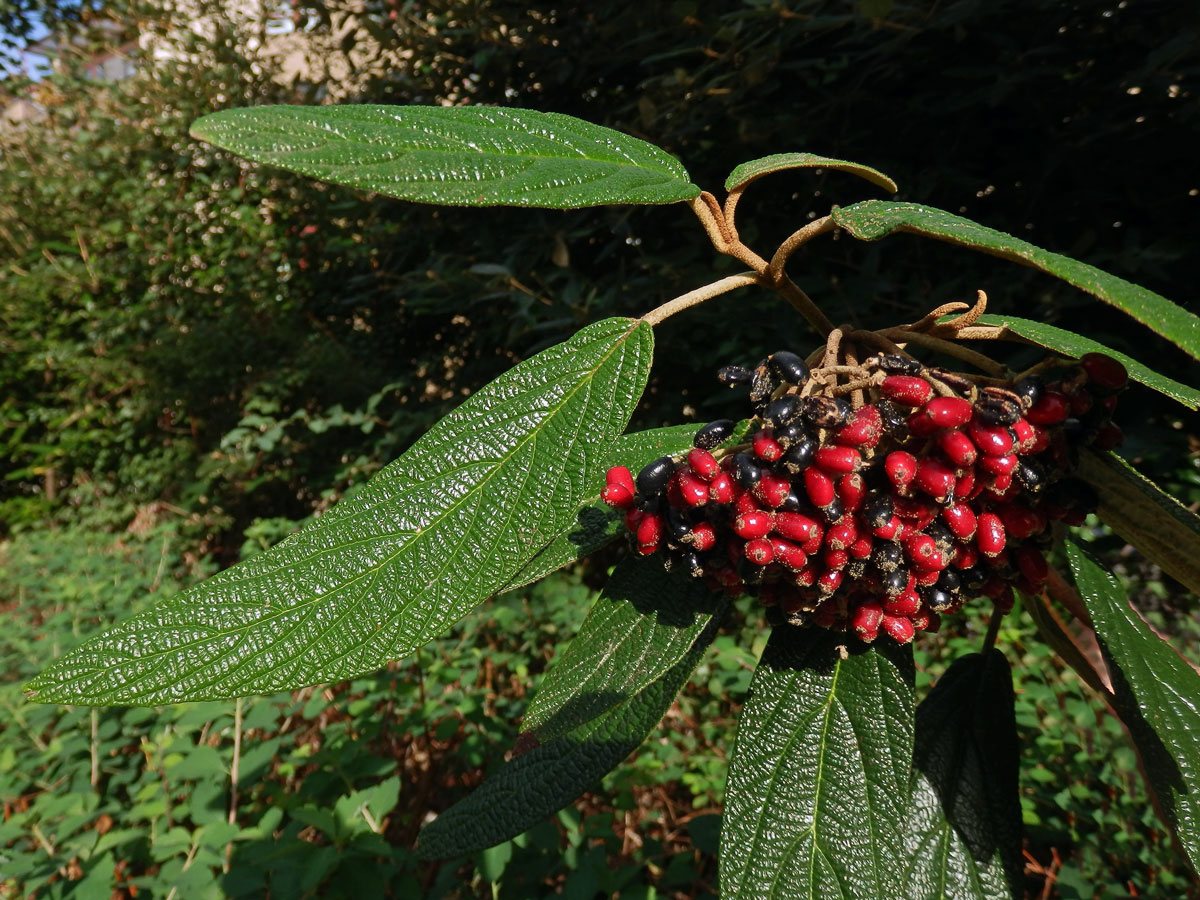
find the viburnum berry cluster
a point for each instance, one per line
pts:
(881, 502)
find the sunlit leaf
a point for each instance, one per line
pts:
(457, 156)
(779, 162)
(433, 534)
(819, 776)
(873, 219)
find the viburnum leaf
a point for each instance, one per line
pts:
(550, 775)
(1156, 694)
(873, 219)
(1069, 343)
(819, 776)
(640, 626)
(456, 156)
(597, 524)
(1141, 512)
(964, 829)
(779, 162)
(383, 572)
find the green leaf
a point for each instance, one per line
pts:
(1069, 343)
(597, 524)
(455, 156)
(818, 780)
(549, 776)
(873, 219)
(779, 162)
(964, 829)
(433, 534)
(1157, 696)
(642, 624)
(1162, 528)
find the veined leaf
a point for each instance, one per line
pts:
(640, 626)
(1162, 528)
(380, 574)
(873, 219)
(1069, 343)
(1157, 695)
(778, 162)
(456, 156)
(818, 780)
(964, 831)
(597, 524)
(535, 784)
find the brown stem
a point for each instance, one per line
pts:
(978, 360)
(804, 305)
(789, 246)
(874, 337)
(708, 211)
(699, 295)
(930, 319)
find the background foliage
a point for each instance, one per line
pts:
(196, 355)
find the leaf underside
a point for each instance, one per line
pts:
(779, 162)
(456, 156)
(818, 780)
(544, 779)
(874, 219)
(385, 571)
(1163, 529)
(1075, 345)
(964, 837)
(1156, 694)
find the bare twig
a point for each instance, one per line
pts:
(789, 246)
(699, 295)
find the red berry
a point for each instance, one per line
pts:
(1053, 407)
(839, 460)
(862, 547)
(960, 519)
(617, 496)
(841, 535)
(1110, 436)
(901, 468)
(787, 554)
(649, 533)
(765, 445)
(964, 486)
(999, 465)
(851, 490)
(703, 536)
(620, 475)
(1025, 434)
(829, 581)
(957, 448)
(866, 619)
(1103, 372)
(819, 487)
(944, 412)
(722, 489)
(693, 490)
(907, 390)
(703, 464)
(898, 628)
(922, 551)
(632, 518)
(1020, 521)
(834, 559)
(772, 489)
(888, 531)
(905, 604)
(1031, 564)
(989, 535)
(926, 577)
(992, 440)
(935, 478)
(753, 524)
(864, 430)
(806, 577)
(967, 556)
(759, 551)
(796, 526)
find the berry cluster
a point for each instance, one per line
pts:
(880, 504)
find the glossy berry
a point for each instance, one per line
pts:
(745, 470)
(944, 412)
(771, 489)
(838, 460)
(759, 551)
(863, 430)
(958, 449)
(788, 367)
(898, 628)
(866, 619)
(733, 375)
(713, 434)
(703, 464)
(702, 537)
(797, 527)
(653, 478)
(1104, 373)
(935, 478)
(692, 488)
(907, 390)
(819, 487)
(961, 521)
(765, 446)
(782, 411)
(722, 489)
(1051, 409)
(990, 537)
(901, 469)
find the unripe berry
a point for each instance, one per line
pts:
(1032, 565)
(1025, 435)
(926, 577)
(862, 547)
(839, 460)
(713, 434)
(907, 390)
(999, 465)
(851, 490)
(765, 445)
(753, 524)
(943, 412)
(960, 519)
(866, 619)
(1104, 373)
(703, 464)
(787, 554)
(649, 533)
(1051, 409)
(935, 478)
(829, 581)
(1020, 521)
(819, 487)
(863, 430)
(905, 604)
(758, 551)
(989, 534)
(992, 440)
(703, 536)
(693, 490)
(967, 556)
(617, 496)
(834, 559)
(901, 468)
(958, 449)
(841, 535)
(722, 489)
(890, 530)
(922, 551)
(1109, 437)
(771, 489)
(898, 628)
